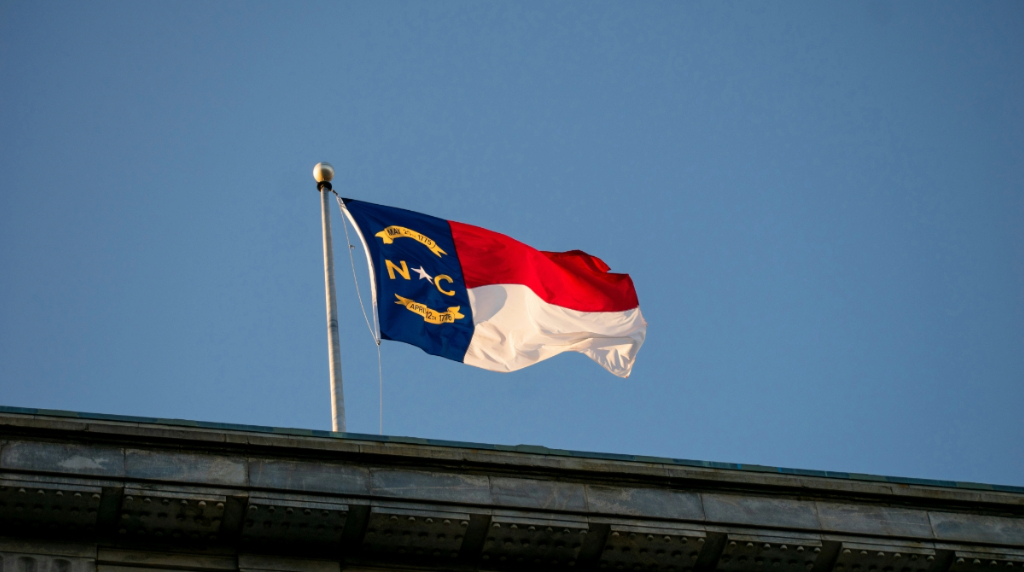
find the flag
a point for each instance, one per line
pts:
(479, 297)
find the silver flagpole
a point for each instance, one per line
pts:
(323, 173)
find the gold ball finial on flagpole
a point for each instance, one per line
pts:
(323, 172)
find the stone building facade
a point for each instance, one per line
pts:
(96, 493)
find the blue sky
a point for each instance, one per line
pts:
(821, 205)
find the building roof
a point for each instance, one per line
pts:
(531, 449)
(125, 490)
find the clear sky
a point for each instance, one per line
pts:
(821, 206)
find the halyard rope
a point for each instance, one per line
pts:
(362, 308)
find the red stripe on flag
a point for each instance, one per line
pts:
(573, 280)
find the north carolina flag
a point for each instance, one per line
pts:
(479, 297)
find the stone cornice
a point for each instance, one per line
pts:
(372, 501)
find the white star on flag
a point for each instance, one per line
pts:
(423, 274)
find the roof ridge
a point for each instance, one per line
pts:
(526, 449)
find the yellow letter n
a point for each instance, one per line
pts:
(392, 268)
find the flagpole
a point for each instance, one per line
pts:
(323, 173)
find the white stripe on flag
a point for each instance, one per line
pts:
(515, 328)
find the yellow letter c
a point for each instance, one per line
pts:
(437, 282)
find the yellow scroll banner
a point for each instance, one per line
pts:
(389, 234)
(431, 316)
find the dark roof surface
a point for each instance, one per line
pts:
(531, 449)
